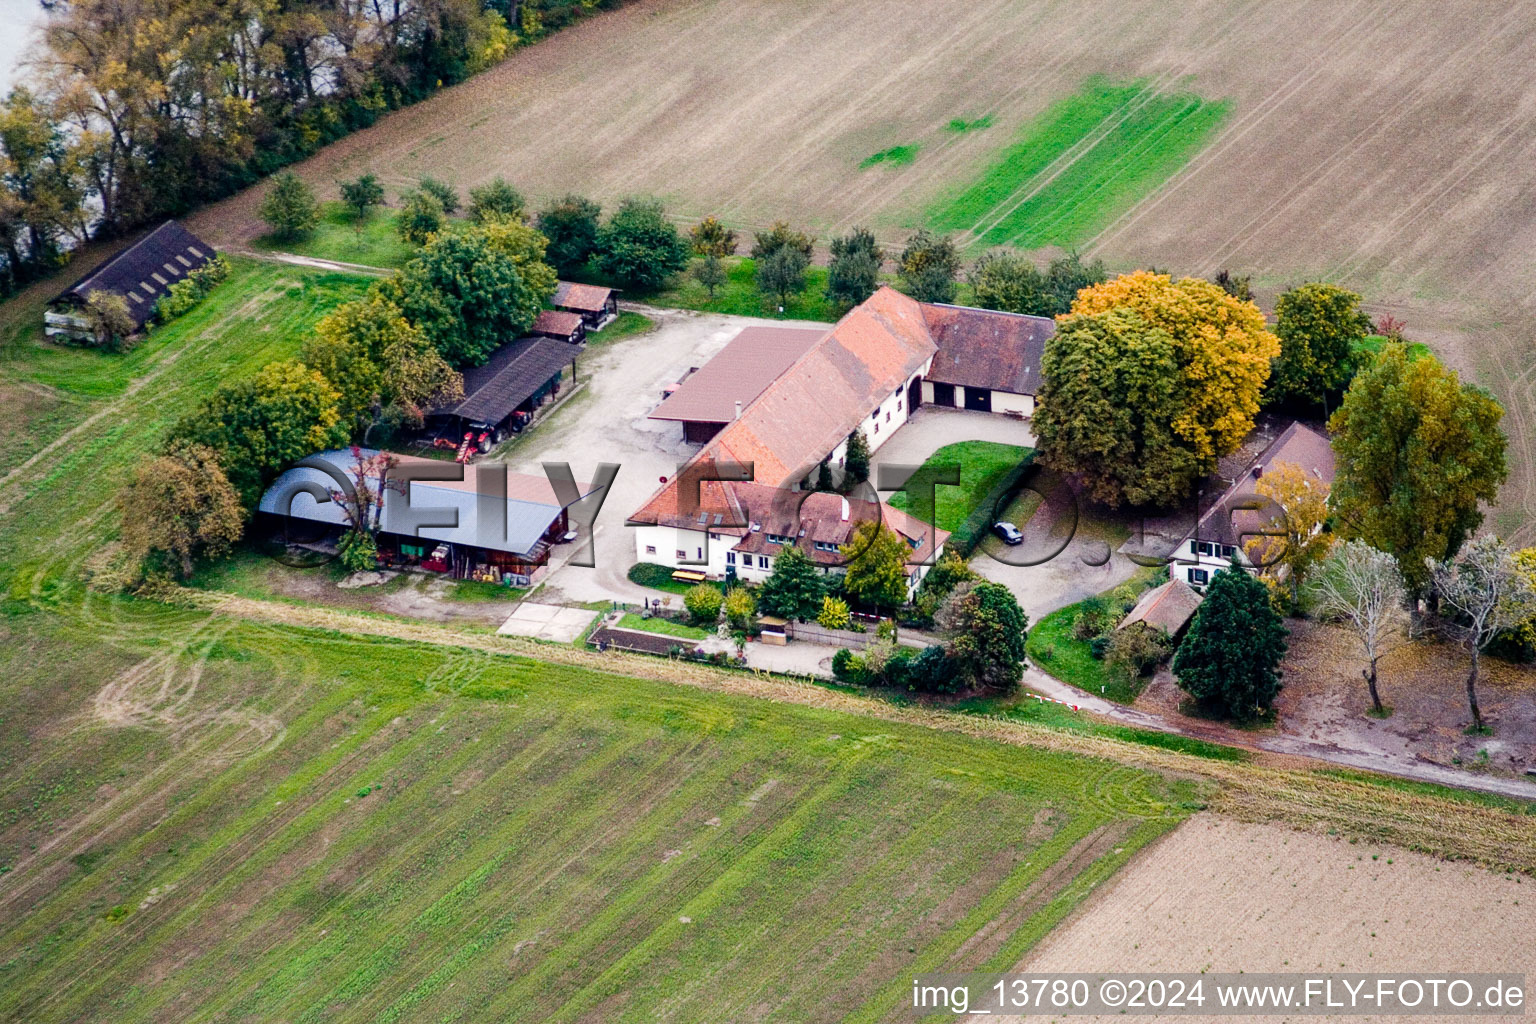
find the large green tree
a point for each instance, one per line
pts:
(466, 296)
(261, 425)
(984, 632)
(1319, 326)
(376, 360)
(570, 223)
(1418, 454)
(1230, 659)
(929, 265)
(794, 590)
(877, 565)
(1106, 412)
(639, 247)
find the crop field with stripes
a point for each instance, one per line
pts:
(1079, 165)
(247, 823)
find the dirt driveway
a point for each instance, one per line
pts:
(607, 422)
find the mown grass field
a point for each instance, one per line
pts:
(371, 242)
(1080, 164)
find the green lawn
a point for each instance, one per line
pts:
(981, 465)
(627, 324)
(1080, 164)
(660, 625)
(659, 577)
(1053, 649)
(314, 827)
(739, 295)
(1374, 343)
(373, 243)
(61, 512)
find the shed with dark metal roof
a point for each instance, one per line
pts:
(144, 271)
(517, 374)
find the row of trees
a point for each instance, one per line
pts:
(929, 269)
(150, 108)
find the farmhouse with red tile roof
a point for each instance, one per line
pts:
(865, 374)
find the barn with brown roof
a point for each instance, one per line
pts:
(141, 274)
(1168, 607)
(560, 325)
(986, 360)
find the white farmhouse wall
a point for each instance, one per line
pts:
(1008, 402)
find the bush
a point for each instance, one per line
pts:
(570, 223)
(289, 207)
(359, 552)
(446, 195)
(495, 199)
(361, 195)
(930, 672)
(834, 613)
(421, 217)
(1136, 649)
(191, 290)
(703, 603)
(848, 667)
(740, 608)
(1094, 619)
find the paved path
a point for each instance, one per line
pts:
(1039, 682)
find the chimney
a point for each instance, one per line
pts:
(738, 409)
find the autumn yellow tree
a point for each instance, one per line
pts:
(1222, 345)
(1295, 541)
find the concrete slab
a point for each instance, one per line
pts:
(547, 622)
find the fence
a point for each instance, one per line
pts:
(815, 633)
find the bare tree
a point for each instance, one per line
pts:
(1485, 593)
(1360, 587)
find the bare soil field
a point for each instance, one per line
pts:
(1223, 896)
(1389, 146)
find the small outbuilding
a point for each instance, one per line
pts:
(140, 274)
(560, 325)
(1169, 607)
(595, 304)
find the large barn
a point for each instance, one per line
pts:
(140, 274)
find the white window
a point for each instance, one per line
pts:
(762, 561)
(650, 549)
(730, 558)
(681, 554)
(1199, 577)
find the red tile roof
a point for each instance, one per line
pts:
(740, 372)
(588, 298)
(556, 323)
(812, 517)
(813, 406)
